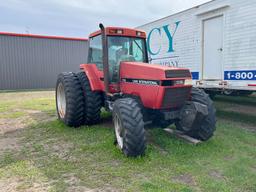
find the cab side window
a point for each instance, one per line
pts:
(137, 50)
(96, 52)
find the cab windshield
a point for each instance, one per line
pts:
(119, 49)
(124, 49)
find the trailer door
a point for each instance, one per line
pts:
(212, 48)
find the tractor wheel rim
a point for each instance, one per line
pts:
(61, 100)
(118, 131)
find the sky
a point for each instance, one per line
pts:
(78, 18)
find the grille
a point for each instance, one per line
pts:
(177, 73)
(175, 97)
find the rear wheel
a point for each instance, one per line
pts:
(129, 127)
(92, 101)
(69, 99)
(205, 129)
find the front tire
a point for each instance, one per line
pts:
(69, 99)
(129, 127)
(206, 128)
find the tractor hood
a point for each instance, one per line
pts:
(146, 71)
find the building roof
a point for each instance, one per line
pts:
(42, 36)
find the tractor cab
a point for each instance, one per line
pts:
(114, 45)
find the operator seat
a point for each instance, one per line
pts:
(121, 55)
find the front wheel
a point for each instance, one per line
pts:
(205, 127)
(129, 127)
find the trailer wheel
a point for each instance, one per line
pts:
(206, 128)
(92, 100)
(230, 92)
(129, 127)
(69, 99)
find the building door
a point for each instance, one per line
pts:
(212, 48)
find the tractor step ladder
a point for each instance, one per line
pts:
(182, 136)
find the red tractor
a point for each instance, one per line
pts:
(120, 78)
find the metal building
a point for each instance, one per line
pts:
(34, 61)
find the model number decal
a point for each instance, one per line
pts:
(141, 81)
(240, 75)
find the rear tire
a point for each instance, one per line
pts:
(92, 101)
(205, 130)
(69, 99)
(129, 127)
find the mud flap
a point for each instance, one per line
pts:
(192, 114)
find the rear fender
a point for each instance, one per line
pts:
(94, 76)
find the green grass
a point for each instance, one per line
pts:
(51, 153)
(43, 101)
(224, 103)
(237, 117)
(251, 100)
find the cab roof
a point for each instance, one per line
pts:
(121, 31)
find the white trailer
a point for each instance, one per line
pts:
(216, 41)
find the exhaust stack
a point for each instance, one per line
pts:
(105, 58)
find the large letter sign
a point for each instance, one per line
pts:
(170, 37)
(168, 34)
(148, 41)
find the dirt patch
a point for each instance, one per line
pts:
(60, 149)
(18, 184)
(85, 189)
(39, 116)
(105, 189)
(229, 158)
(253, 168)
(186, 179)
(73, 183)
(19, 118)
(216, 174)
(9, 144)
(10, 124)
(31, 116)
(10, 184)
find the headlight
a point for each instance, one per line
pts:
(178, 82)
(188, 82)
